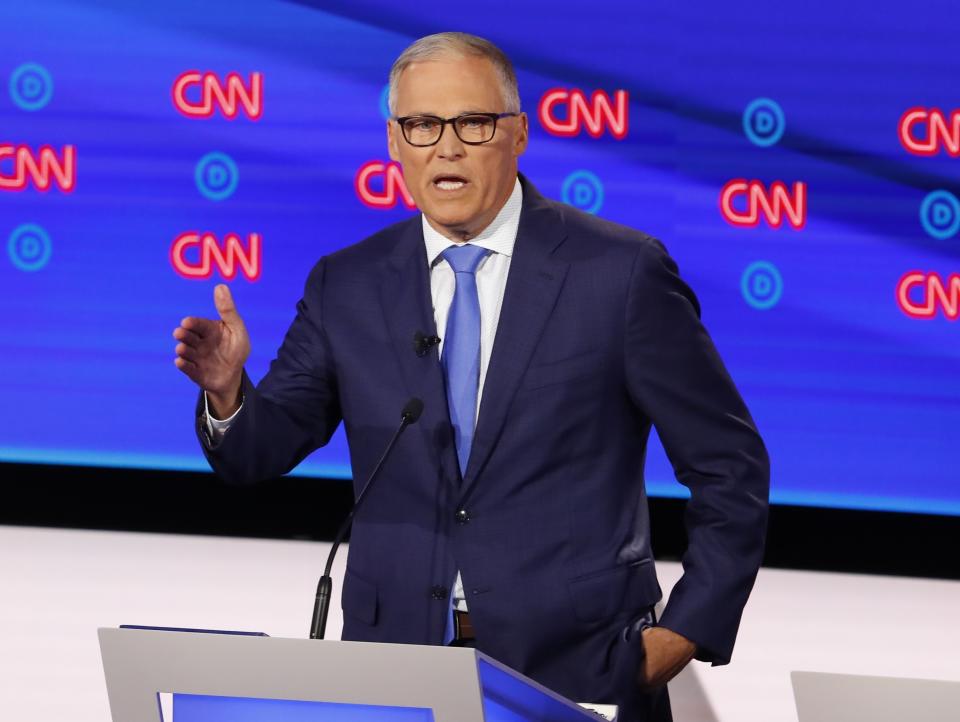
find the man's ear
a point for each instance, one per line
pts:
(392, 141)
(522, 135)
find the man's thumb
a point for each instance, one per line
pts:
(225, 305)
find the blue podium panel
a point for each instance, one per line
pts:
(507, 698)
(210, 708)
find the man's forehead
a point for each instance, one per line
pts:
(449, 84)
(449, 62)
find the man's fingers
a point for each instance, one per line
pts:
(186, 336)
(202, 327)
(225, 305)
(188, 353)
(189, 368)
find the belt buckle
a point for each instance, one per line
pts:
(462, 627)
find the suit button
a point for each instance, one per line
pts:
(438, 592)
(462, 516)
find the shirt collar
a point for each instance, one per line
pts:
(498, 237)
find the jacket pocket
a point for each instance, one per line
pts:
(359, 598)
(558, 372)
(606, 593)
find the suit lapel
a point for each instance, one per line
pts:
(408, 308)
(533, 284)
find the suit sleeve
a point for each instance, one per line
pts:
(292, 411)
(676, 377)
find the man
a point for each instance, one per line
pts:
(518, 502)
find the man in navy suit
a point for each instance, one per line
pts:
(514, 517)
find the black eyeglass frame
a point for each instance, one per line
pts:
(452, 121)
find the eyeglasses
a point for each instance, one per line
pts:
(471, 128)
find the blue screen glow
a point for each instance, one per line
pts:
(800, 162)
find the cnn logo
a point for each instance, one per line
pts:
(598, 114)
(927, 132)
(743, 203)
(381, 185)
(21, 167)
(195, 255)
(197, 95)
(920, 295)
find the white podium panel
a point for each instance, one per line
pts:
(192, 676)
(823, 697)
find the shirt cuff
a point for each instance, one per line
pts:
(218, 427)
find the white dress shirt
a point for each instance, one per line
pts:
(499, 237)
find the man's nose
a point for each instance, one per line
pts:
(450, 147)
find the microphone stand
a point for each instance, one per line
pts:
(321, 606)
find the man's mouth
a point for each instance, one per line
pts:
(449, 182)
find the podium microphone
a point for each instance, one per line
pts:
(411, 412)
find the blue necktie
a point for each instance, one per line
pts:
(461, 346)
(461, 360)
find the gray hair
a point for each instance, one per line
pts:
(432, 47)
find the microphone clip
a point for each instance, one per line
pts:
(422, 343)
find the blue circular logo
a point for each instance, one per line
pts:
(583, 189)
(31, 86)
(29, 247)
(217, 176)
(940, 214)
(764, 122)
(761, 285)
(385, 102)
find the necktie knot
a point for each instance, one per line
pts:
(465, 258)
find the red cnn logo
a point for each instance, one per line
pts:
(595, 115)
(940, 133)
(229, 96)
(393, 188)
(934, 293)
(44, 168)
(773, 204)
(206, 252)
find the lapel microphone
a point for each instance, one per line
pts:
(423, 343)
(321, 606)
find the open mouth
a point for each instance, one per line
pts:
(447, 182)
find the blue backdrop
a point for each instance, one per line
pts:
(800, 162)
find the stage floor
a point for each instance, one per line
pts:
(58, 586)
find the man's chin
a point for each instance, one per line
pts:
(451, 222)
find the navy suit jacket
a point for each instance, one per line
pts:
(598, 338)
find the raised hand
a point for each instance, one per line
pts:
(212, 353)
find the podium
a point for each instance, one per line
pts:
(187, 676)
(831, 697)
